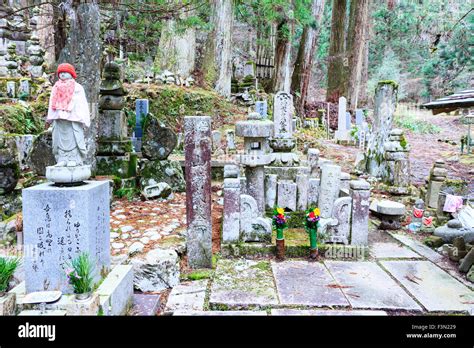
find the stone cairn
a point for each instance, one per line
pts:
(12, 60)
(436, 179)
(36, 57)
(113, 154)
(397, 173)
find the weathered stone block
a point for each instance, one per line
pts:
(116, 291)
(302, 192)
(313, 192)
(121, 166)
(270, 190)
(59, 223)
(7, 304)
(112, 125)
(253, 227)
(158, 141)
(171, 172)
(360, 193)
(329, 188)
(286, 197)
(231, 218)
(156, 271)
(114, 147)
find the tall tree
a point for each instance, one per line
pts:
(336, 73)
(355, 49)
(282, 75)
(304, 59)
(223, 21)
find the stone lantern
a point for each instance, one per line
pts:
(256, 131)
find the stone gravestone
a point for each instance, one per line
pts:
(59, 224)
(141, 110)
(158, 141)
(197, 145)
(24, 90)
(359, 117)
(360, 193)
(282, 118)
(11, 89)
(348, 121)
(329, 188)
(261, 107)
(230, 137)
(342, 132)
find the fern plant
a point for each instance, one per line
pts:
(7, 268)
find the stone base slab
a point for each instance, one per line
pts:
(116, 291)
(7, 304)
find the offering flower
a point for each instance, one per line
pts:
(311, 223)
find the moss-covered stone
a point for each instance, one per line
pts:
(120, 166)
(433, 241)
(171, 172)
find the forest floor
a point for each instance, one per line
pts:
(426, 148)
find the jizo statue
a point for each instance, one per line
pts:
(69, 114)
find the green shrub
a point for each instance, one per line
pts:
(7, 268)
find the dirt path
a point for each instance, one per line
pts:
(425, 149)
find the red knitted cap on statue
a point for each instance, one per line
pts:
(65, 67)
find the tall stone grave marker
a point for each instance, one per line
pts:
(197, 147)
(360, 193)
(385, 104)
(359, 117)
(329, 188)
(141, 110)
(59, 224)
(342, 132)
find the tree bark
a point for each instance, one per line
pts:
(282, 76)
(304, 59)
(176, 52)
(355, 49)
(223, 49)
(363, 96)
(336, 74)
(83, 50)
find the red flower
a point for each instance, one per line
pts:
(311, 215)
(281, 216)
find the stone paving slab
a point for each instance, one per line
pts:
(327, 312)
(145, 304)
(421, 249)
(366, 285)
(242, 283)
(435, 289)
(187, 296)
(306, 283)
(220, 313)
(392, 251)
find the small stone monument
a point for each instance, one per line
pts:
(142, 107)
(342, 132)
(261, 107)
(436, 179)
(397, 162)
(69, 114)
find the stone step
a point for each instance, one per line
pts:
(37, 312)
(421, 249)
(243, 283)
(392, 251)
(326, 312)
(219, 313)
(187, 297)
(435, 289)
(366, 285)
(306, 283)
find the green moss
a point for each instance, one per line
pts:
(197, 275)
(169, 104)
(388, 82)
(263, 266)
(403, 142)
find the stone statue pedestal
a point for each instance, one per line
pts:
(68, 175)
(59, 224)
